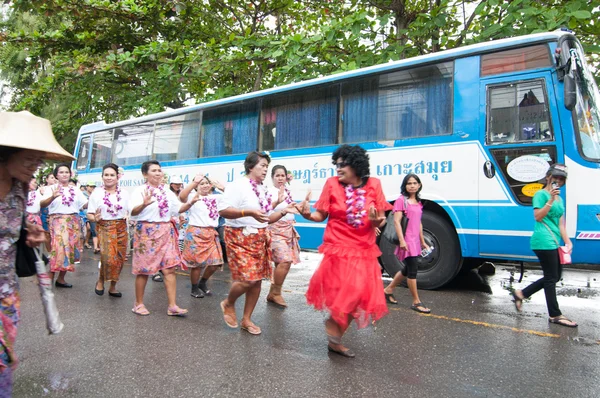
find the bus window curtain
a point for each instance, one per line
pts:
(245, 132)
(305, 124)
(214, 137)
(361, 101)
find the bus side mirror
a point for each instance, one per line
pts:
(570, 92)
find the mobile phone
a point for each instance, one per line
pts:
(555, 185)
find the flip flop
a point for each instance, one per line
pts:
(389, 297)
(252, 329)
(228, 318)
(418, 307)
(563, 321)
(140, 309)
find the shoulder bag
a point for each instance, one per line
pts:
(564, 254)
(390, 230)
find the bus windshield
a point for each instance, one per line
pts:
(587, 108)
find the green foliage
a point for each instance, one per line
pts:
(80, 61)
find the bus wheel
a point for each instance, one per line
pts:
(441, 266)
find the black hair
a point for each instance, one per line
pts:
(355, 157)
(7, 151)
(146, 165)
(253, 158)
(73, 180)
(405, 181)
(111, 166)
(278, 167)
(58, 166)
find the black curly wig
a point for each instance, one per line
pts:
(356, 157)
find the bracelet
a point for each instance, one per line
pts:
(242, 213)
(547, 204)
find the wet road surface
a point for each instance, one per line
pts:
(473, 344)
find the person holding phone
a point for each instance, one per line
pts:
(548, 211)
(409, 249)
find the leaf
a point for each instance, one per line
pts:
(582, 14)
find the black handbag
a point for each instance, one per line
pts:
(26, 258)
(390, 230)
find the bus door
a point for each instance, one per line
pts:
(520, 136)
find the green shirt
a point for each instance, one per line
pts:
(542, 239)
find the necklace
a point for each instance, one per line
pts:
(355, 206)
(161, 199)
(110, 208)
(264, 198)
(68, 201)
(288, 196)
(31, 198)
(211, 205)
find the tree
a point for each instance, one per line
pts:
(80, 61)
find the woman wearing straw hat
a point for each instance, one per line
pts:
(25, 140)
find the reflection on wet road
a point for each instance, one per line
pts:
(473, 344)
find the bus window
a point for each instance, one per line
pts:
(84, 154)
(518, 112)
(302, 119)
(101, 151)
(398, 105)
(133, 144)
(532, 57)
(177, 137)
(230, 130)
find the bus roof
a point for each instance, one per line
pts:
(440, 56)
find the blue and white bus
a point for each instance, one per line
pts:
(480, 124)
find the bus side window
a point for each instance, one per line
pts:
(84, 154)
(177, 137)
(518, 112)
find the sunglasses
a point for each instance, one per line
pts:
(340, 165)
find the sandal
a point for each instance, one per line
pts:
(176, 311)
(252, 329)
(157, 278)
(140, 309)
(563, 321)
(230, 319)
(389, 297)
(518, 302)
(419, 307)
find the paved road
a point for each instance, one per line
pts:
(473, 345)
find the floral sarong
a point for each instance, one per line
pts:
(9, 318)
(154, 248)
(249, 256)
(201, 247)
(284, 242)
(112, 235)
(65, 241)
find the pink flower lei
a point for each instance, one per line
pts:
(161, 199)
(68, 201)
(211, 205)
(265, 203)
(288, 196)
(31, 198)
(110, 208)
(355, 206)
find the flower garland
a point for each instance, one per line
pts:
(211, 205)
(31, 198)
(265, 203)
(288, 196)
(161, 199)
(68, 201)
(355, 210)
(110, 208)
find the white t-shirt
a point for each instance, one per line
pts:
(152, 213)
(199, 213)
(74, 200)
(33, 202)
(239, 195)
(275, 194)
(97, 201)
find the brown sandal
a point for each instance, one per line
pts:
(563, 321)
(229, 318)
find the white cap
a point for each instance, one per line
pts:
(175, 180)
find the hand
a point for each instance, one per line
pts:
(555, 192)
(424, 245)
(148, 199)
(217, 184)
(195, 199)
(98, 215)
(258, 215)
(198, 178)
(377, 231)
(374, 216)
(569, 246)
(35, 234)
(303, 208)
(281, 194)
(403, 245)
(56, 192)
(292, 208)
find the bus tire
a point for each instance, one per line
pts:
(435, 270)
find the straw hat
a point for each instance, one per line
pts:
(27, 131)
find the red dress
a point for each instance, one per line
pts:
(348, 280)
